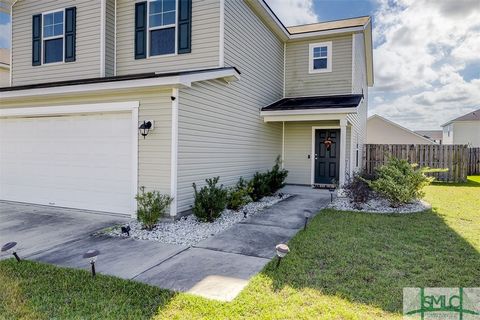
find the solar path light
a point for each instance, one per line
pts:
(92, 256)
(307, 214)
(282, 250)
(332, 190)
(8, 247)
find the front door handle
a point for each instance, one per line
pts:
(316, 156)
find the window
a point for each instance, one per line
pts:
(53, 32)
(162, 22)
(320, 57)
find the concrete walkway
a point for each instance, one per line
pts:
(217, 268)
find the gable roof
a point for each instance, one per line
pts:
(472, 116)
(317, 102)
(329, 25)
(432, 134)
(400, 127)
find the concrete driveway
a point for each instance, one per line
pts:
(217, 268)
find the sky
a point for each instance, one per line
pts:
(426, 53)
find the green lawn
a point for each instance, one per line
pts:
(345, 266)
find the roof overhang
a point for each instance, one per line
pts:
(313, 115)
(171, 80)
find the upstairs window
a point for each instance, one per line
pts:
(162, 22)
(53, 35)
(320, 57)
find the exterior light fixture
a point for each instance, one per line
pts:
(126, 230)
(307, 214)
(282, 250)
(8, 247)
(145, 128)
(92, 256)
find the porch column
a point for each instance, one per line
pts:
(343, 148)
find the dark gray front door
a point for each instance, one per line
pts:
(327, 155)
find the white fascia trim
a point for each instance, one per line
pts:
(11, 42)
(103, 12)
(115, 41)
(173, 81)
(174, 153)
(221, 53)
(353, 62)
(307, 112)
(301, 117)
(325, 33)
(71, 109)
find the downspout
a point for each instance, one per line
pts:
(115, 41)
(11, 42)
(283, 144)
(102, 37)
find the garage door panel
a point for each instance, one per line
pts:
(81, 161)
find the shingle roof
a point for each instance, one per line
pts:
(432, 134)
(318, 102)
(329, 25)
(472, 116)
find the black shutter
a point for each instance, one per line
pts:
(141, 30)
(70, 33)
(185, 26)
(37, 40)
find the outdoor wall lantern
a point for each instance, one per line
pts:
(145, 128)
(8, 247)
(307, 214)
(282, 250)
(92, 256)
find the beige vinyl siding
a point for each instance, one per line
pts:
(205, 41)
(4, 77)
(298, 146)
(154, 151)
(359, 85)
(87, 64)
(110, 38)
(221, 132)
(298, 82)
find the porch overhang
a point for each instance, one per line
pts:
(311, 108)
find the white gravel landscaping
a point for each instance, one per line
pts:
(378, 205)
(188, 230)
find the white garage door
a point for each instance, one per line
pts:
(77, 161)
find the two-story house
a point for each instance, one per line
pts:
(110, 95)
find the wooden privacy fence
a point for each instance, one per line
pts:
(474, 161)
(455, 158)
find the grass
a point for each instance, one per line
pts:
(345, 266)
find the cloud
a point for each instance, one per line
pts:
(5, 35)
(294, 12)
(422, 48)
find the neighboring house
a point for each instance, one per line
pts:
(4, 67)
(434, 135)
(226, 87)
(384, 131)
(463, 130)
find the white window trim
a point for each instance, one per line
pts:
(162, 27)
(42, 58)
(327, 44)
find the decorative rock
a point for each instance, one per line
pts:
(188, 231)
(378, 205)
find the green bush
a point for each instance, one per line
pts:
(210, 201)
(400, 182)
(277, 176)
(239, 195)
(259, 186)
(151, 206)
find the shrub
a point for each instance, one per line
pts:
(400, 182)
(357, 189)
(277, 176)
(259, 186)
(239, 195)
(151, 206)
(210, 201)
